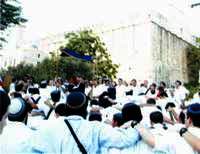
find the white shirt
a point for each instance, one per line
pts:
(56, 138)
(15, 139)
(180, 93)
(120, 91)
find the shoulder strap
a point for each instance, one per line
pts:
(35, 101)
(80, 146)
(48, 114)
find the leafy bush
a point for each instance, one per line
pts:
(193, 88)
(50, 68)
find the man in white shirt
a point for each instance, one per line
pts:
(16, 135)
(180, 92)
(56, 137)
(120, 89)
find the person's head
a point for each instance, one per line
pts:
(120, 81)
(33, 91)
(153, 88)
(117, 120)
(95, 116)
(133, 82)
(58, 82)
(43, 84)
(151, 101)
(55, 96)
(163, 84)
(156, 117)
(76, 104)
(60, 110)
(162, 92)
(131, 111)
(169, 105)
(18, 110)
(193, 115)
(19, 86)
(178, 83)
(4, 103)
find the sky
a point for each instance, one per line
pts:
(47, 17)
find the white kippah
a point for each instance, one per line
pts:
(15, 106)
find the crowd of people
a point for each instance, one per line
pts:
(100, 116)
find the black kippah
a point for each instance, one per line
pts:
(76, 100)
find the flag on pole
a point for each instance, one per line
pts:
(75, 54)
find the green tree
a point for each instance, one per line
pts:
(10, 15)
(86, 42)
(47, 69)
(193, 62)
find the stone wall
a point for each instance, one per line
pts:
(147, 51)
(129, 46)
(168, 55)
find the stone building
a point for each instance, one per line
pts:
(148, 47)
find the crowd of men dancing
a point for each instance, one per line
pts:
(100, 116)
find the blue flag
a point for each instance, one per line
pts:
(76, 54)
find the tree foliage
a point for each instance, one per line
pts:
(50, 68)
(86, 42)
(10, 15)
(193, 63)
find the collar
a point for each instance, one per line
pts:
(73, 117)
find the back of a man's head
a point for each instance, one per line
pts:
(95, 116)
(4, 103)
(156, 117)
(18, 110)
(151, 101)
(131, 111)
(117, 120)
(193, 113)
(76, 104)
(55, 95)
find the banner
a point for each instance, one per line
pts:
(75, 54)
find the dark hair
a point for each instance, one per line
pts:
(163, 83)
(162, 93)
(94, 102)
(33, 91)
(95, 116)
(156, 117)
(80, 111)
(193, 112)
(61, 109)
(117, 117)
(55, 95)
(151, 101)
(19, 86)
(104, 102)
(4, 103)
(154, 85)
(131, 111)
(169, 104)
(179, 82)
(43, 84)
